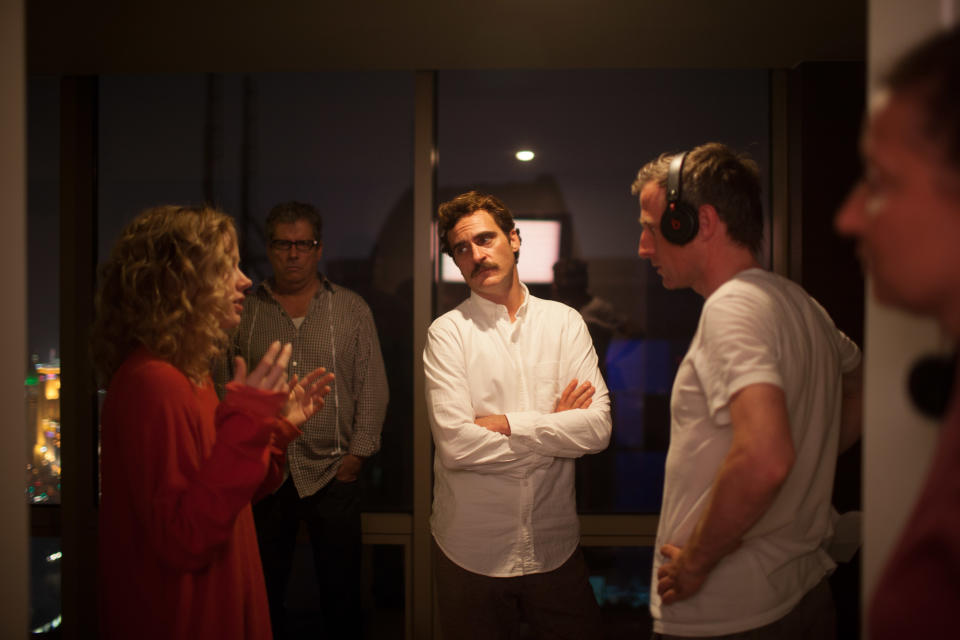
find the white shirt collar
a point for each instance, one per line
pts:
(493, 310)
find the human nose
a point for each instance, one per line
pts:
(851, 217)
(476, 252)
(645, 249)
(243, 282)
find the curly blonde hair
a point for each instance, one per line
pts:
(165, 287)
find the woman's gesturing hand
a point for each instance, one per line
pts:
(306, 396)
(270, 374)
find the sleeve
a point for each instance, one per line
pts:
(737, 348)
(189, 501)
(460, 443)
(276, 456)
(847, 350)
(850, 354)
(371, 388)
(572, 433)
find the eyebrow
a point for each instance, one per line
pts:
(477, 236)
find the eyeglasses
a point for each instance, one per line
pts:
(301, 245)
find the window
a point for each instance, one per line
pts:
(590, 131)
(341, 141)
(42, 363)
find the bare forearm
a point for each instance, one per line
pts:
(758, 462)
(760, 458)
(739, 498)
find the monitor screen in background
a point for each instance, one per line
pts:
(539, 250)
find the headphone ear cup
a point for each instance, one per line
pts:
(931, 382)
(679, 223)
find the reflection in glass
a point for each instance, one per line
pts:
(43, 432)
(42, 365)
(383, 593)
(620, 577)
(44, 585)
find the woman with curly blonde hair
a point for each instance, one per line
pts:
(178, 548)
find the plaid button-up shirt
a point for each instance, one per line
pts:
(337, 333)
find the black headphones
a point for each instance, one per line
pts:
(931, 383)
(680, 222)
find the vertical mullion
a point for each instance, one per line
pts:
(424, 183)
(78, 113)
(779, 174)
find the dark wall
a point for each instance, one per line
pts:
(109, 36)
(826, 106)
(828, 99)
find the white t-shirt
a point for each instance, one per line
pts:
(504, 505)
(756, 328)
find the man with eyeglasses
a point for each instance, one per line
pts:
(332, 327)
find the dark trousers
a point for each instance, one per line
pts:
(332, 516)
(555, 604)
(814, 618)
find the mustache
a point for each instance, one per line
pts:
(483, 265)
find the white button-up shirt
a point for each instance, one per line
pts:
(505, 505)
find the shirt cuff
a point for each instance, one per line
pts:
(522, 424)
(259, 402)
(364, 447)
(286, 433)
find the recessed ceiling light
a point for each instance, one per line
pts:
(525, 155)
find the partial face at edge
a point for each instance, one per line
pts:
(905, 212)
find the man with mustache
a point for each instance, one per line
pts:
(763, 401)
(514, 395)
(905, 212)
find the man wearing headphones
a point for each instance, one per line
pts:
(763, 401)
(906, 215)
(332, 327)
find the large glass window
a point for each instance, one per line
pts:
(343, 142)
(340, 141)
(589, 132)
(621, 578)
(42, 362)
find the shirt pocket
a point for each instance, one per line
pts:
(546, 386)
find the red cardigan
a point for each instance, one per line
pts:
(178, 550)
(918, 593)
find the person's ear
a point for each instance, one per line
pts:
(709, 221)
(514, 239)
